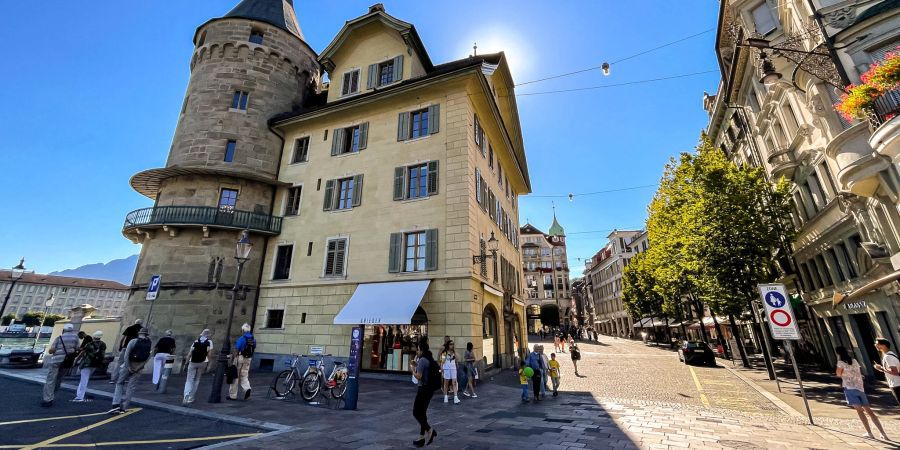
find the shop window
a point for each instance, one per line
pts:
(275, 318)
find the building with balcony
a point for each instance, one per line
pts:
(783, 65)
(547, 289)
(604, 275)
(32, 291)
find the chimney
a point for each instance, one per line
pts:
(376, 7)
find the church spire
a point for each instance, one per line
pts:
(556, 229)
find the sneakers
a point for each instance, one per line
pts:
(869, 435)
(524, 400)
(247, 394)
(474, 395)
(116, 410)
(80, 400)
(456, 400)
(445, 399)
(466, 394)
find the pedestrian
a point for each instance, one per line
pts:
(448, 369)
(85, 340)
(854, 390)
(92, 356)
(554, 373)
(534, 361)
(164, 348)
(130, 333)
(199, 359)
(471, 371)
(890, 365)
(541, 333)
(545, 372)
(516, 352)
(523, 381)
(136, 355)
(426, 368)
(243, 355)
(62, 356)
(576, 356)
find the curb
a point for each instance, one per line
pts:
(788, 409)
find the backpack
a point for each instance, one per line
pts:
(433, 379)
(249, 347)
(141, 351)
(199, 351)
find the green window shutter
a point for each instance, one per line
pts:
(398, 68)
(403, 126)
(357, 189)
(431, 249)
(373, 74)
(484, 195)
(399, 181)
(432, 178)
(434, 118)
(329, 196)
(478, 186)
(395, 252)
(337, 141)
(363, 135)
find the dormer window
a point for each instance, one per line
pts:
(350, 84)
(256, 36)
(385, 72)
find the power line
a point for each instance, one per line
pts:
(618, 60)
(607, 191)
(651, 80)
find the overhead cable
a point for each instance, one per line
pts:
(651, 80)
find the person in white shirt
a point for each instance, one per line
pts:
(854, 390)
(890, 365)
(199, 355)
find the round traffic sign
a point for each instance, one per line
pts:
(775, 299)
(780, 314)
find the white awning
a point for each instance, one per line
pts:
(492, 290)
(391, 303)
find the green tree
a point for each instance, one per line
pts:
(8, 319)
(33, 318)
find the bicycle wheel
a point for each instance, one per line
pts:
(339, 389)
(284, 383)
(310, 386)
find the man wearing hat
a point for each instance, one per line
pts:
(93, 352)
(66, 344)
(135, 357)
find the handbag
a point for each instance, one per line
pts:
(69, 360)
(475, 372)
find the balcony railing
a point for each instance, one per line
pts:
(203, 216)
(886, 106)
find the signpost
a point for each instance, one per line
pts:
(783, 324)
(356, 338)
(152, 292)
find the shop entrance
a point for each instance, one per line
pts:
(866, 338)
(490, 337)
(392, 347)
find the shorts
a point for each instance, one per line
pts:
(855, 397)
(450, 373)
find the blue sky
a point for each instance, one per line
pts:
(92, 94)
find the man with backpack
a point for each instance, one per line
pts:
(164, 348)
(61, 356)
(242, 356)
(135, 355)
(199, 358)
(92, 355)
(535, 361)
(130, 333)
(890, 366)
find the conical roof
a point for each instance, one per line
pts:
(556, 229)
(279, 13)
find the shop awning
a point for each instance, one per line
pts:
(391, 303)
(650, 322)
(840, 297)
(492, 290)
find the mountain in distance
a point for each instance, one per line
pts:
(119, 270)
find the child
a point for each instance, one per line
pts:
(523, 380)
(554, 373)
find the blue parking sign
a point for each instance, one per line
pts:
(153, 287)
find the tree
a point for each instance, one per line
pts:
(33, 319)
(8, 319)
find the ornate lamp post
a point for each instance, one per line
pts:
(16, 274)
(47, 304)
(493, 245)
(241, 254)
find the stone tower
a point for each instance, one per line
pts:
(220, 176)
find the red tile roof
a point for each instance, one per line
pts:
(55, 280)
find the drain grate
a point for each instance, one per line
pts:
(483, 430)
(559, 420)
(741, 445)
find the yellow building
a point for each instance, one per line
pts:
(391, 179)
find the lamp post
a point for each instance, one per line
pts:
(241, 255)
(47, 304)
(819, 67)
(15, 275)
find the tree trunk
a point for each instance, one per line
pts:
(757, 327)
(719, 336)
(699, 307)
(668, 333)
(736, 331)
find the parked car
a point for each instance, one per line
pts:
(692, 352)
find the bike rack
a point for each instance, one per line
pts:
(319, 401)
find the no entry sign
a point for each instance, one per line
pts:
(779, 313)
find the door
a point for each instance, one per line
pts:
(866, 337)
(227, 202)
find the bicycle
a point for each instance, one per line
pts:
(312, 380)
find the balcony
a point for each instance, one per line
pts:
(885, 139)
(783, 163)
(169, 218)
(858, 166)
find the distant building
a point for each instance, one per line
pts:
(546, 272)
(605, 275)
(32, 290)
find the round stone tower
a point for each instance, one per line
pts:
(220, 176)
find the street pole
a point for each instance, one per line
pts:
(15, 275)
(769, 364)
(40, 327)
(216, 395)
(788, 345)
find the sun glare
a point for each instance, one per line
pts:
(495, 40)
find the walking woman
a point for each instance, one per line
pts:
(576, 356)
(425, 360)
(448, 369)
(854, 390)
(92, 357)
(471, 372)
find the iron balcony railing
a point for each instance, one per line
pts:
(886, 106)
(203, 215)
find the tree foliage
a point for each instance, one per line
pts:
(33, 319)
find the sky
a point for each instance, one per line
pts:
(92, 93)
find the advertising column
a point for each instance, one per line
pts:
(356, 338)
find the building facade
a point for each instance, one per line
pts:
(773, 110)
(392, 178)
(32, 291)
(605, 281)
(546, 269)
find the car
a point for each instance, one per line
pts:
(694, 352)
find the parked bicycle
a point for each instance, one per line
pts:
(313, 379)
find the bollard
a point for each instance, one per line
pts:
(164, 378)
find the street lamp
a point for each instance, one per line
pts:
(47, 304)
(241, 254)
(769, 75)
(605, 68)
(17, 272)
(820, 68)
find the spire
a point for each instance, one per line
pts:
(556, 229)
(279, 13)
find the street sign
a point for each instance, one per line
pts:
(779, 312)
(153, 287)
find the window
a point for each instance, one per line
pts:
(491, 157)
(350, 84)
(499, 173)
(239, 101)
(764, 19)
(827, 278)
(419, 123)
(349, 140)
(275, 318)
(344, 193)
(227, 200)
(292, 206)
(418, 181)
(844, 255)
(202, 39)
(413, 252)
(301, 150)
(229, 150)
(335, 257)
(479, 137)
(386, 73)
(815, 190)
(256, 36)
(838, 267)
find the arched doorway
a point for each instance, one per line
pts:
(550, 315)
(490, 336)
(533, 314)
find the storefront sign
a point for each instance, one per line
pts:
(855, 305)
(356, 340)
(779, 313)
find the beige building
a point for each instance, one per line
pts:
(392, 177)
(546, 269)
(605, 281)
(32, 291)
(844, 192)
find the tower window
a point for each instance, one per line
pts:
(202, 39)
(229, 150)
(239, 101)
(228, 200)
(256, 36)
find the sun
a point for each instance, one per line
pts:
(497, 39)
